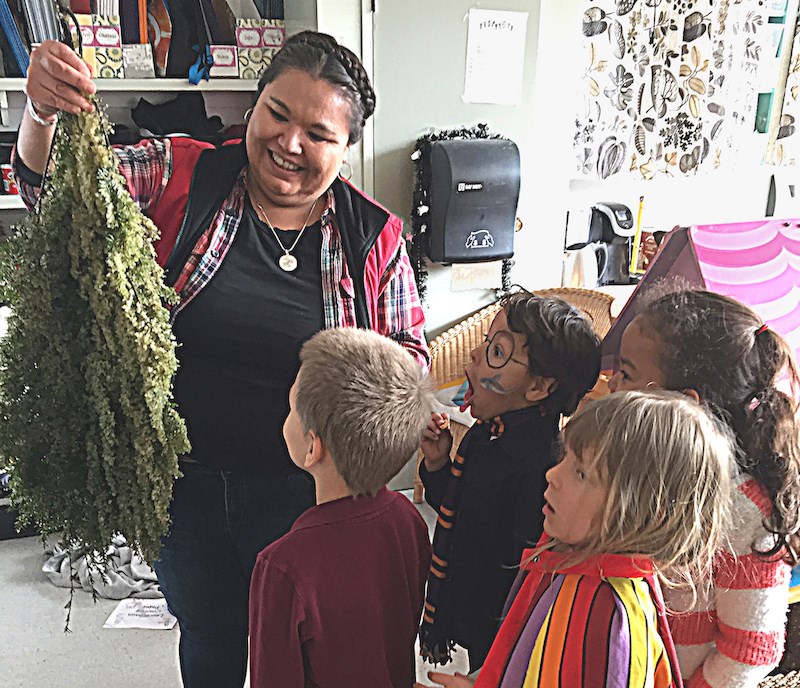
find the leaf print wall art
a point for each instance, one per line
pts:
(670, 86)
(619, 93)
(785, 142)
(663, 89)
(610, 157)
(594, 22)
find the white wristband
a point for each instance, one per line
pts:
(36, 117)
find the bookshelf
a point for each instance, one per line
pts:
(18, 85)
(11, 202)
(227, 97)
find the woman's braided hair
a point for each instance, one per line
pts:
(322, 57)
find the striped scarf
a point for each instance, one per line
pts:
(600, 622)
(435, 645)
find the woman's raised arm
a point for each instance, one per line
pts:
(57, 80)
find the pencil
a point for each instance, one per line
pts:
(637, 240)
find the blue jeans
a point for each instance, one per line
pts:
(221, 520)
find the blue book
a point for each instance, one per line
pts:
(129, 20)
(16, 45)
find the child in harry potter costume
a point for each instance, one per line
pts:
(539, 358)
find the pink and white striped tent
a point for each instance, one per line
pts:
(757, 263)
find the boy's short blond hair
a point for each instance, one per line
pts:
(367, 399)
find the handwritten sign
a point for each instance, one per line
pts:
(495, 56)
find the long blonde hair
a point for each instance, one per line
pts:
(667, 464)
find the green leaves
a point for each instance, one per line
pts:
(86, 414)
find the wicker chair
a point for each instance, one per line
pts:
(450, 350)
(595, 305)
(790, 680)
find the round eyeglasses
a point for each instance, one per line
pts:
(500, 349)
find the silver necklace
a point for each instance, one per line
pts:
(287, 262)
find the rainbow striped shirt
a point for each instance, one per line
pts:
(598, 624)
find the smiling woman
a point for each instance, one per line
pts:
(276, 247)
(296, 143)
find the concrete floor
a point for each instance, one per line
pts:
(35, 652)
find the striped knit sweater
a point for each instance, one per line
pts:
(733, 636)
(597, 624)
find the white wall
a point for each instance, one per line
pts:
(552, 121)
(419, 72)
(420, 55)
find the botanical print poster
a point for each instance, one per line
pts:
(787, 144)
(670, 86)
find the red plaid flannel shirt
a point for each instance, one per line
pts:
(147, 167)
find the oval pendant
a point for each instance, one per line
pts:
(288, 262)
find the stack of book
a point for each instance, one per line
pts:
(42, 20)
(257, 41)
(140, 38)
(101, 44)
(132, 16)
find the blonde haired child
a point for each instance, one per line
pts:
(351, 571)
(642, 488)
(718, 350)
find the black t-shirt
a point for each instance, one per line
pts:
(239, 343)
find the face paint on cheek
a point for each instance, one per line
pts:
(492, 384)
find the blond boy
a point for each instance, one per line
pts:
(337, 600)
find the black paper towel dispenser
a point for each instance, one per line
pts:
(474, 189)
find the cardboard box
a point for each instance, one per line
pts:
(257, 41)
(101, 44)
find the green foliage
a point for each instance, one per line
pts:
(87, 420)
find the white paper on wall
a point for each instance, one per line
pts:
(466, 276)
(495, 56)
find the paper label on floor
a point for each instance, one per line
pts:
(139, 613)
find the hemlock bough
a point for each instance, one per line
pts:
(87, 421)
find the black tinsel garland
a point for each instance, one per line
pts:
(420, 211)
